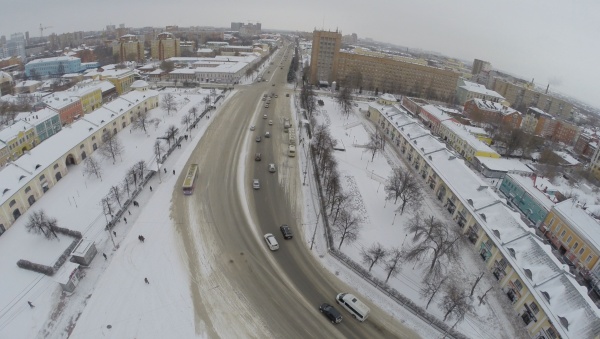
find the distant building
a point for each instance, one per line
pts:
(480, 66)
(128, 48)
(120, 78)
(250, 29)
(324, 56)
(351, 39)
(540, 123)
(521, 96)
(6, 84)
(235, 26)
(493, 113)
(27, 86)
(53, 66)
(467, 90)
(586, 144)
(165, 46)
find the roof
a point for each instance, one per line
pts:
(491, 106)
(503, 164)
(65, 272)
(4, 77)
(59, 100)
(461, 132)
(436, 112)
(13, 130)
(481, 89)
(579, 221)
(139, 84)
(388, 97)
(59, 58)
(38, 117)
(527, 183)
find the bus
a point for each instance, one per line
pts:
(190, 179)
(291, 151)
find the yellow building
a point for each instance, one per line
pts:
(17, 139)
(165, 46)
(120, 78)
(128, 48)
(463, 142)
(90, 97)
(575, 233)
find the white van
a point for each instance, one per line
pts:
(358, 310)
(291, 151)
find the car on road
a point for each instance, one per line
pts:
(266, 105)
(276, 96)
(272, 168)
(272, 84)
(331, 313)
(267, 135)
(271, 242)
(258, 138)
(252, 128)
(255, 184)
(286, 231)
(287, 95)
(270, 122)
(258, 157)
(264, 116)
(264, 98)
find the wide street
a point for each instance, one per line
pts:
(275, 294)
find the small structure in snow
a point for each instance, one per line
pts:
(84, 252)
(68, 276)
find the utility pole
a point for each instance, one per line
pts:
(312, 242)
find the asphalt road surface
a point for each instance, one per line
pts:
(239, 287)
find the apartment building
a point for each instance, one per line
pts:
(480, 66)
(165, 46)
(543, 294)
(586, 144)
(6, 84)
(324, 56)
(540, 123)
(68, 107)
(521, 96)
(128, 48)
(120, 78)
(90, 97)
(493, 113)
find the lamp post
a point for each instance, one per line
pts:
(312, 242)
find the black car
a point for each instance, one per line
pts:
(286, 231)
(331, 313)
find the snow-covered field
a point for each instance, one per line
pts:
(383, 223)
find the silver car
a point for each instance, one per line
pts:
(256, 184)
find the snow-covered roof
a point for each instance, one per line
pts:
(480, 89)
(567, 157)
(37, 117)
(494, 107)
(12, 131)
(475, 130)
(59, 58)
(436, 112)
(60, 100)
(204, 50)
(139, 84)
(461, 132)
(4, 77)
(28, 83)
(579, 221)
(540, 112)
(527, 183)
(503, 164)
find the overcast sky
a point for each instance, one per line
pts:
(552, 41)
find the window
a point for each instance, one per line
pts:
(575, 246)
(534, 308)
(551, 333)
(569, 239)
(55, 166)
(518, 284)
(28, 189)
(42, 177)
(81, 146)
(588, 259)
(581, 251)
(562, 234)
(12, 203)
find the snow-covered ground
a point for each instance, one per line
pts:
(383, 223)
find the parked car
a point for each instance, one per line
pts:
(258, 157)
(258, 138)
(255, 184)
(286, 231)
(331, 313)
(272, 168)
(271, 242)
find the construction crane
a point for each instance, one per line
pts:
(42, 28)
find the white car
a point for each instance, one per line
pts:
(256, 184)
(272, 168)
(252, 128)
(264, 116)
(270, 122)
(271, 242)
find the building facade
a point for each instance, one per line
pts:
(521, 97)
(324, 56)
(463, 142)
(165, 46)
(19, 138)
(523, 193)
(128, 48)
(46, 122)
(68, 108)
(493, 113)
(53, 66)
(466, 90)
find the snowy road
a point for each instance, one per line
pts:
(239, 288)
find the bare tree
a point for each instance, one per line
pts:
(107, 207)
(40, 223)
(373, 146)
(440, 244)
(171, 134)
(373, 254)
(141, 122)
(92, 167)
(455, 302)
(126, 184)
(194, 112)
(347, 227)
(341, 201)
(477, 280)
(431, 287)
(158, 150)
(392, 265)
(169, 103)
(132, 173)
(111, 148)
(344, 100)
(116, 194)
(186, 120)
(206, 101)
(140, 168)
(402, 184)
(482, 298)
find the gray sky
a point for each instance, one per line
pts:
(549, 40)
